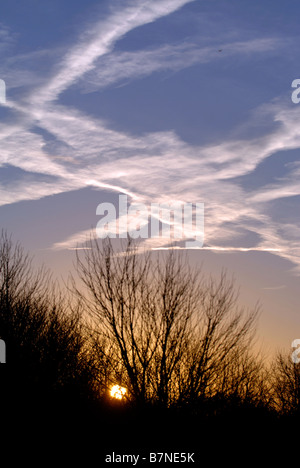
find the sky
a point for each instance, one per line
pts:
(186, 101)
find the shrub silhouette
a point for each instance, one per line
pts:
(47, 354)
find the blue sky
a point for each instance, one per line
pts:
(134, 96)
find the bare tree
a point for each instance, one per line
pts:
(47, 348)
(286, 384)
(173, 337)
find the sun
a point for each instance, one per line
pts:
(117, 392)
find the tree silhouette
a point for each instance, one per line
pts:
(170, 336)
(47, 351)
(286, 385)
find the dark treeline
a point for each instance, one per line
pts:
(175, 339)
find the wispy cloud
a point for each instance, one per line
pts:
(73, 242)
(125, 66)
(100, 39)
(7, 38)
(154, 167)
(224, 201)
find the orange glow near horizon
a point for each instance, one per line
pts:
(117, 392)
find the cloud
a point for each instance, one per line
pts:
(26, 71)
(100, 39)
(125, 66)
(224, 200)
(156, 167)
(73, 242)
(7, 38)
(190, 175)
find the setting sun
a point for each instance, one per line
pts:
(117, 392)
